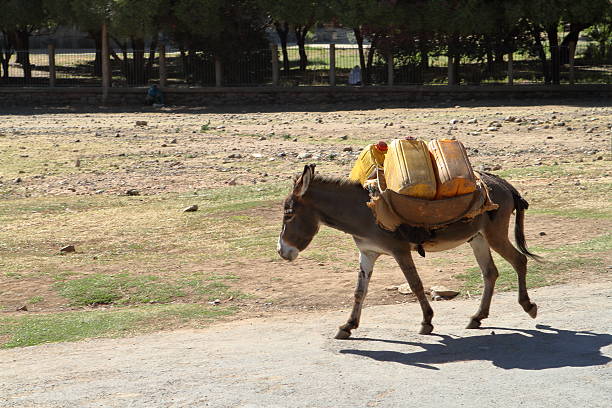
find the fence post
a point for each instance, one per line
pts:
(572, 52)
(218, 72)
(274, 50)
(105, 64)
(332, 64)
(162, 65)
(52, 75)
(390, 68)
(451, 70)
(510, 68)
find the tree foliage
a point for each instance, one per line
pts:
(414, 30)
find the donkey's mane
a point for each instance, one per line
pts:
(336, 182)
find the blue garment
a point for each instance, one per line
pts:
(155, 95)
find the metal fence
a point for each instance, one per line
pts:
(83, 68)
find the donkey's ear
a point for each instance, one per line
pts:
(302, 183)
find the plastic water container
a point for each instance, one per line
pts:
(408, 169)
(452, 168)
(370, 158)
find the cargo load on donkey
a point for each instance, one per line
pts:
(420, 185)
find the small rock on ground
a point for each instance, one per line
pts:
(68, 248)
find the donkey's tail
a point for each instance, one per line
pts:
(520, 205)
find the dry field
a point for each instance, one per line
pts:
(115, 190)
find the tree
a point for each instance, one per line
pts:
(17, 24)
(87, 15)
(546, 17)
(602, 34)
(301, 15)
(134, 22)
(368, 19)
(232, 31)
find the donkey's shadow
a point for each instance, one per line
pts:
(538, 349)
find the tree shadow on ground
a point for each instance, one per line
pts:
(539, 349)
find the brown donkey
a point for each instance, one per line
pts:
(341, 204)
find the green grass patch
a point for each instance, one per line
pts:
(205, 128)
(36, 299)
(122, 289)
(31, 330)
(582, 213)
(99, 289)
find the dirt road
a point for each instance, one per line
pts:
(560, 360)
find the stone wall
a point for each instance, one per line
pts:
(296, 95)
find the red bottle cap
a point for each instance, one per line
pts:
(382, 146)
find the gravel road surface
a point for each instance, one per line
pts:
(561, 359)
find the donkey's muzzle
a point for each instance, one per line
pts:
(285, 251)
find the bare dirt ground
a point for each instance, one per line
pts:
(65, 176)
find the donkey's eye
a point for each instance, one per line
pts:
(288, 214)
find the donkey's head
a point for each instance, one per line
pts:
(300, 220)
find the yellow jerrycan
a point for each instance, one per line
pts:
(452, 168)
(370, 158)
(408, 169)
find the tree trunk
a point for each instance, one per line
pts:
(96, 36)
(184, 62)
(542, 55)
(22, 45)
(424, 52)
(300, 35)
(151, 59)
(4, 63)
(283, 31)
(490, 61)
(553, 40)
(571, 37)
(138, 68)
(453, 59)
(5, 54)
(362, 61)
(5, 58)
(371, 52)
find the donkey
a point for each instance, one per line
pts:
(341, 204)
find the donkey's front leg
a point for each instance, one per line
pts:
(366, 266)
(404, 259)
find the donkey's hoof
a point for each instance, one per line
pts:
(474, 324)
(533, 311)
(342, 334)
(426, 328)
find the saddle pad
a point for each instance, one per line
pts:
(392, 209)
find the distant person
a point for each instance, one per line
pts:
(155, 96)
(355, 76)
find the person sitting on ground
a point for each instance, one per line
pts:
(154, 96)
(355, 76)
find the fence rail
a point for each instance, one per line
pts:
(325, 65)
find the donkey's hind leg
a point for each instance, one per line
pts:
(504, 247)
(366, 266)
(482, 252)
